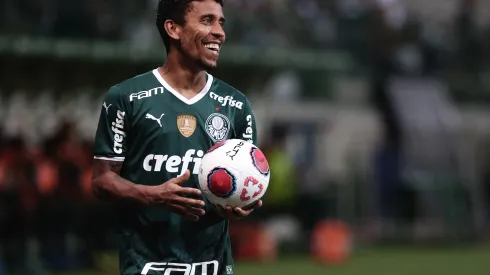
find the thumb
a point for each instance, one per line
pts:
(183, 178)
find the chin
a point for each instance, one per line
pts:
(208, 65)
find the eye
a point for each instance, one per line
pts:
(206, 20)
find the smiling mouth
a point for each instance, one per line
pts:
(213, 47)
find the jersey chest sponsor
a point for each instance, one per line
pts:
(182, 269)
(175, 163)
(227, 100)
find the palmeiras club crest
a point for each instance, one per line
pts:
(217, 127)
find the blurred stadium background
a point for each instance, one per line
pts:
(373, 114)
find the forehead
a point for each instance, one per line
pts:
(205, 7)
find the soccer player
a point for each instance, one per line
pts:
(152, 134)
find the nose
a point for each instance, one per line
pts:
(218, 31)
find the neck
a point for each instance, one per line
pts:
(185, 78)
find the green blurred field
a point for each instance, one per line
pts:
(388, 261)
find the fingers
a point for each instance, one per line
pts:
(237, 211)
(179, 209)
(185, 191)
(221, 211)
(183, 178)
(195, 211)
(187, 211)
(190, 202)
(188, 191)
(229, 210)
(253, 206)
(247, 210)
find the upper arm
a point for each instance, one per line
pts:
(101, 166)
(111, 138)
(247, 129)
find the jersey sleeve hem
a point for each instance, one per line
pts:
(110, 158)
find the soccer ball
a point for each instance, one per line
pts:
(234, 172)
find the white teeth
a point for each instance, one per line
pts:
(212, 46)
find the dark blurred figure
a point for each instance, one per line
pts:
(74, 19)
(107, 19)
(18, 201)
(485, 181)
(385, 41)
(387, 173)
(59, 216)
(470, 48)
(99, 223)
(281, 193)
(296, 190)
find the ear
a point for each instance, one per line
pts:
(173, 29)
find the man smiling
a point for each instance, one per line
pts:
(152, 134)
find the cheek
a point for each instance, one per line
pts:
(191, 43)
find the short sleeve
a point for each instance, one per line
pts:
(248, 129)
(111, 141)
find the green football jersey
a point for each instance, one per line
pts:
(158, 134)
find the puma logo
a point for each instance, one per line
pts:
(106, 107)
(149, 116)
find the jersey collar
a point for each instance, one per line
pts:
(187, 101)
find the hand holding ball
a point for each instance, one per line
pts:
(234, 173)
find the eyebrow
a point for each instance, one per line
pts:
(222, 18)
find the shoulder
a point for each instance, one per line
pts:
(138, 83)
(224, 89)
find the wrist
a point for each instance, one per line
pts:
(144, 194)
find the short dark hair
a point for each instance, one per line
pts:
(174, 10)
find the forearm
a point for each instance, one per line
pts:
(111, 187)
(108, 185)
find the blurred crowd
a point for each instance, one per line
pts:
(410, 37)
(312, 23)
(46, 203)
(50, 220)
(252, 22)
